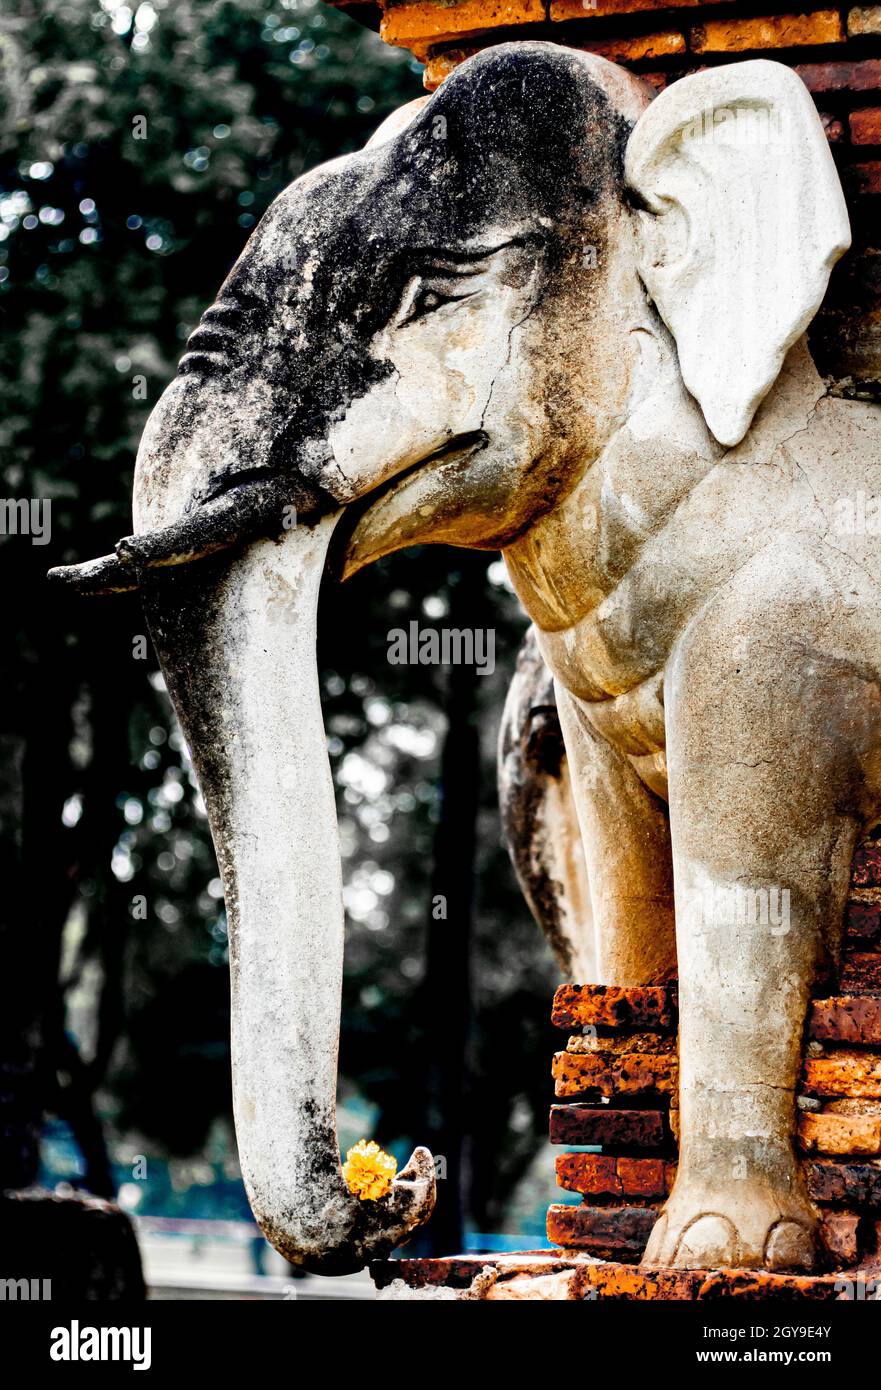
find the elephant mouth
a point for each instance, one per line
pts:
(246, 505)
(355, 543)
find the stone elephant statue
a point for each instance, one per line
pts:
(547, 313)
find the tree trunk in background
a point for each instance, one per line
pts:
(447, 975)
(21, 1108)
(41, 864)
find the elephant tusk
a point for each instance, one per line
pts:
(261, 507)
(94, 578)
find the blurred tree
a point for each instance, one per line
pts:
(139, 144)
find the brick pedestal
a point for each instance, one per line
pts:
(616, 1090)
(617, 1079)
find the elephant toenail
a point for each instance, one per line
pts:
(707, 1242)
(789, 1246)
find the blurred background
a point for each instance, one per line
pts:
(114, 1055)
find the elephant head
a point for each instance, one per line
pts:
(429, 340)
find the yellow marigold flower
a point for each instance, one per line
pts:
(368, 1171)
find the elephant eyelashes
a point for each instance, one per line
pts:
(423, 297)
(447, 276)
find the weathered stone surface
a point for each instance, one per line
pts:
(602, 1177)
(845, 1019)
(624, 1074)
(770, 31)
(610, 1232)
(844, 1074)
(609, 1006)
(845, 1184)
(840, 1134)
(84, 1247)
(614, 1129)
(544, 1288)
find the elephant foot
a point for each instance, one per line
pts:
(747, 1224)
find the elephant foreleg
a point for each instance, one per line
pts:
(625, 833)
(760, 771)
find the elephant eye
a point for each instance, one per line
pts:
(424, 297)
(424, 303)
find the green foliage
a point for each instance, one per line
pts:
(137, 160)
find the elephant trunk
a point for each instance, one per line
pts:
(254, 507)
(236, 640)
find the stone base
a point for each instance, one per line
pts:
(72, 1249)
(569, 1275)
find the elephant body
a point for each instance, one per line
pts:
(738, 761)
(544, 313)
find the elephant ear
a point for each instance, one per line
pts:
(742, 220)
(393, 124)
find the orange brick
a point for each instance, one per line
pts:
(634, 50)
(608, 1126)
(856, 1074)
(861, 972)
(844, 1184)
(627, 1074)
(771, 31)
(846, 1019)
(595, 1175)
(438, 66)
(862, 920)
(865, 19)
(865, 129)
(850, 77)
(840, 1134)
(612, 1233)
(649, 1178)
(619, 1282)
(603, 1177)
(838, 1233)
(577, 9)
(409, 24)
(651, 1007)
(865, 870)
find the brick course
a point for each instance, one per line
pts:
(770, 31)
